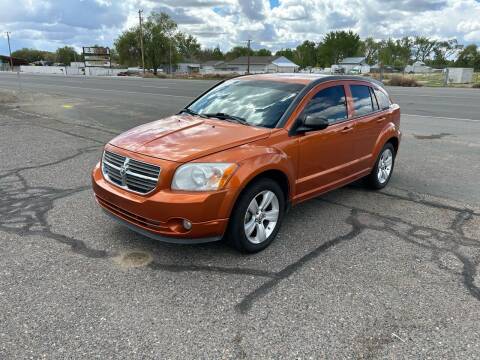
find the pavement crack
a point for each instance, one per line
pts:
(245, 305)
(460, 220)
(56, 162)
(435, 240)
(85, 126)
(23, 211)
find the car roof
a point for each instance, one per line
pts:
(307, 78)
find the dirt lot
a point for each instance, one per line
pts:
(353, 274)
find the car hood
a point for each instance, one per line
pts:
(183, 138)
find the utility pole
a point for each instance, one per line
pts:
(141, 39)
(170, 58)
(248, 56)
(9, 50)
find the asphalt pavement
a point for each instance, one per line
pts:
(352, 274)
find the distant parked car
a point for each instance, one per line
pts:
(128, 73)
(233, 161)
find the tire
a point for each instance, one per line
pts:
(383, 169)
(249, 232)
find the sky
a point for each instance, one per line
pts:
(273, 24)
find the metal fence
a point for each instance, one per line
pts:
(5, 67)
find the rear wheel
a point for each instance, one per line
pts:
(383, 169)
(256, 217)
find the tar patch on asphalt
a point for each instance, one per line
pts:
(431, 137)
(133, 259)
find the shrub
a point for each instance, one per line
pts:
(403, 81)
(476, 86)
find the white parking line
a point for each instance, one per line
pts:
(443, 118)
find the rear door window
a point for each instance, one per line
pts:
(383, 100)
(362, 100)
(329, 103)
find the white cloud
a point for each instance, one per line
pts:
(52, 23)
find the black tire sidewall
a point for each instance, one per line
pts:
(373, 178)
(236, 231)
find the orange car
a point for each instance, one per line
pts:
(232, 162)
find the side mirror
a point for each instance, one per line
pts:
(311, 123)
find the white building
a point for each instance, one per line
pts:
(187, 67)
(210, 66)
(259, 64)
(418, 67)
(354, 65)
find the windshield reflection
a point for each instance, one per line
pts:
(259, 102)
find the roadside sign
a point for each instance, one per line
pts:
(97, 56)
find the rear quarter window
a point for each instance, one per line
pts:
(382, 98)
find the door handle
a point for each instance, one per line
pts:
(380, 119)
(346, 129)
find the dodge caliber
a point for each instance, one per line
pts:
(232, 162)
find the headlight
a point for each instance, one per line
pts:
(202, 176)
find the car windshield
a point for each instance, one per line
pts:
(258, 102)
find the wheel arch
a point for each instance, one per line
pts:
(276, 175)
(395, 142)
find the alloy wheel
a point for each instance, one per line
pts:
(384, 167)
(261, 217)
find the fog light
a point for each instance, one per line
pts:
(187, 224)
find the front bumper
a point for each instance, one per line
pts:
(156, 236)
(159, 215)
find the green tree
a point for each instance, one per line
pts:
(211, 54)
(337, 45)
(306, 54)
(188, 46)
(288, 53)
(444, 52)
(159, 42)
(238, 51)
(263, 52)
(395, 52)
(114, 58)
(66, 55)
(370, 49)
(422, 48)
(127, 47)
(32, 55)
(469, 57)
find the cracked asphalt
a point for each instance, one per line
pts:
(353, 274)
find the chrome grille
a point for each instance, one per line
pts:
(129, 174)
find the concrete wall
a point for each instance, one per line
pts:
(460, 75)
(68, 70)
(43, 69)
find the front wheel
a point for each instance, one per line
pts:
(383, 169)
(256, 217)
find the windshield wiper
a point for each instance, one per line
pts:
(224, 116)
(191, 112)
